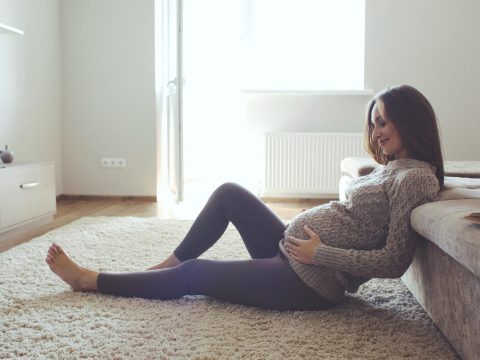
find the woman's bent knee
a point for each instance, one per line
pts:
(227, 190)
(228, 187)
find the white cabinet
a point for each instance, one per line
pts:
(27, 197)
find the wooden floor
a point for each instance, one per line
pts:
(73, 208)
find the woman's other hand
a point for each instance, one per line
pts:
(303, 250)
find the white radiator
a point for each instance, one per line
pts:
(307, 165)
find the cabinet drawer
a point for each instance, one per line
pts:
(26, 193)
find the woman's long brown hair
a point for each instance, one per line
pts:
(414, 118)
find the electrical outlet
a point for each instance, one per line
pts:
(114, 162)
(106, 163)
(121, 163)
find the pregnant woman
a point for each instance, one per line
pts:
(310, 263)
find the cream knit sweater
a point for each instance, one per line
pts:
(368, 235)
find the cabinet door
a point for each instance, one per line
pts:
(26, 193)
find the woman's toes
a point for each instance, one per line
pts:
(59, 249)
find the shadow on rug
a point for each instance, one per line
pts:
(42, 318)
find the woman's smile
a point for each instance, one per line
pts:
(382, 142)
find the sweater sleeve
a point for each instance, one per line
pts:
(391, 261)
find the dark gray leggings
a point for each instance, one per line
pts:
(266, 281)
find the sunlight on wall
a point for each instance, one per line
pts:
(269, 44)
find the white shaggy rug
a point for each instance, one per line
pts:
(42, 318)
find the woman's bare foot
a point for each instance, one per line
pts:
(79, 278)
(172, 261)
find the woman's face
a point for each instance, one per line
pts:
(385, 133)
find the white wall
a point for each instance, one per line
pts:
(430, 44)
(433, 45)
(30, 84)
(108, 83)
(305, 113)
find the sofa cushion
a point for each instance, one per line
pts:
(442, 223)
(467, 169)
(456, 188)
(360, 166)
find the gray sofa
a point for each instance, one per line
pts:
(445, 273)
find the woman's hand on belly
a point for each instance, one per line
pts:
(303, 250)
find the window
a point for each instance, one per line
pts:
(303, 45)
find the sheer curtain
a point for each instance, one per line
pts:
(217, 144)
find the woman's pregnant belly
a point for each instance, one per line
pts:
(335, 225)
